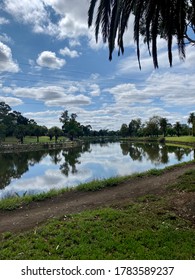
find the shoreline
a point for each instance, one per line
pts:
(14, 148)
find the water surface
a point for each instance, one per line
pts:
(40, 171)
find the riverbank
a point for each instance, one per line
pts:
(13, 148)
(188, 141)
(143, 217)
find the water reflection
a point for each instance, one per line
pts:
(42, 170)
(154, 152)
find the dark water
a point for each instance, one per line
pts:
(40, 171)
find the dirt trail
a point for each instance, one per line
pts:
(71, 202)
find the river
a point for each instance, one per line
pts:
(39, 171)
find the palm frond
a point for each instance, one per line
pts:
(114, 23)
(168, 19)
(138, 14)
(125, 14)
(91, 11)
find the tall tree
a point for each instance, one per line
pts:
(191, 120)
(70, 126)
(134, 126)
(178, 128)
(168, 18)
(124, 131)
(163, 125)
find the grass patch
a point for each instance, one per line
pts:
(136, 231)
(187, 139)
(185, 182)
(101, 184)
(15, 202)
(32, 139)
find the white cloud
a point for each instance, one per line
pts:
(67, 52)
(74, 43)
(3, 21)
(70, 27)
(50, 60)
(50, 95)
(33, 13)
(11, 101)
(94, 90)
(7, 63)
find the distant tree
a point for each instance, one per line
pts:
(134, 127)
(86, 130)
(4, 109)
(163, 125)
(124, 131)
(20, 132)
(19, 119)
(191, 120)
(54, 132)
(70, 126)
(185, 130)
(170, 129)
(2, 132)
(178, 128)
(166, 19)
(152, 127)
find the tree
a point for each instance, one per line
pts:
(2, 132)
(54, 132)
(152, 126)
(70, 126)
(167, 19)
(20, 132)
(191, 120)
(124, 131)
(163, 125)
(178, 128)
(134, 126)
(4, 109)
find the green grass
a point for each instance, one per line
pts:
(185, 182)
(14, 202)
(147, 229)
(31, 139)
(136, 231)
(187, 139)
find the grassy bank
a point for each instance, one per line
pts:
(147, 229)
(187, 139)
(31, 140)
(150, 228)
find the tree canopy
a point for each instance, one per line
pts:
(168, 19)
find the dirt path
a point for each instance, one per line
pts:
(36, 213)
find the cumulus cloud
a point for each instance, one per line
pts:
(7, 64)
(50, 95)
(11, 101)
(70, 22)
(50, 60)
(67, 52)
(31, 12)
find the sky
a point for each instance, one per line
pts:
(50, 62)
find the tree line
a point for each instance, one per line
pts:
(157, 126)
(13, 123)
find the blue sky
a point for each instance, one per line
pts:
(50, 62)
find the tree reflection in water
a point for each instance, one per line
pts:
(14, 165)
